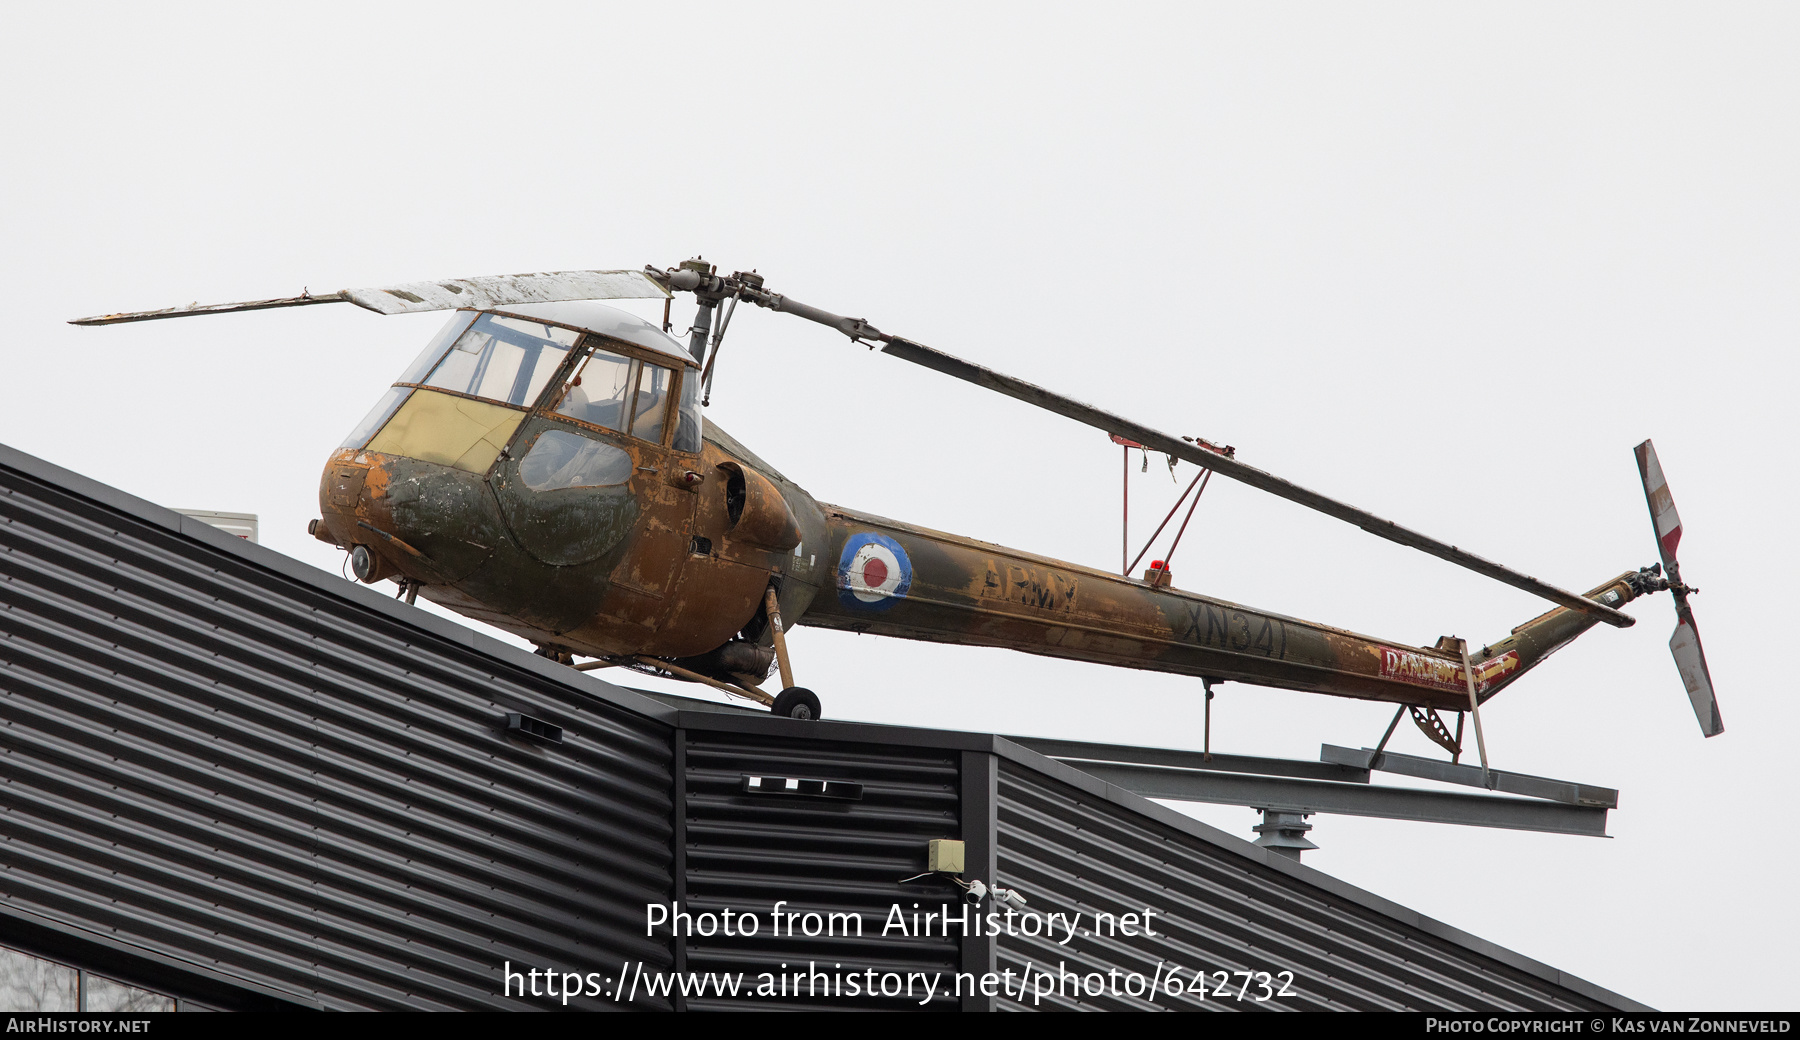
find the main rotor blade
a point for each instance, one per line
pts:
(508, 290)
(1662, 507)
(1690, 660)
(1107, 422)
(305, 300)
(503, 290)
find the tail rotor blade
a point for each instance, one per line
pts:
(1662, 504)
(1691, 660)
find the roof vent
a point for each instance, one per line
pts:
(794, 786)
(536, 729)
(241, 524)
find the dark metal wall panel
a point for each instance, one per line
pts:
(225, 765)
(746, 851)
(1219, 909)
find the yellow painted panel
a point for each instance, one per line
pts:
(447, 430)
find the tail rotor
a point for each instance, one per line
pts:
(1690, 659)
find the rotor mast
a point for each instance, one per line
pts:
(708, 289)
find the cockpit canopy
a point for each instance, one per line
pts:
(495, 357)
(573, 360)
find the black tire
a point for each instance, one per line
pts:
(797, 703)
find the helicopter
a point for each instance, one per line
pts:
(544, 466)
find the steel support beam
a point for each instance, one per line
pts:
(1312, 796)
(1564, 791)
(1076, 749)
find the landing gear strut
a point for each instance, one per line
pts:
(793, 702)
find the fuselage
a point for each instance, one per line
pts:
(548, 471)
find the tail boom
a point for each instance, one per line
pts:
(895, 579)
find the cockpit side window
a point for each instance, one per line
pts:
(560, 459)
(652, 402)
(618, 393)
(687, 417)
(597, 393)
(503, 359)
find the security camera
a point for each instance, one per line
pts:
(973, 894)
(1008, 897)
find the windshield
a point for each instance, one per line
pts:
(378, 416)
(498, 358)
(434, 351)
(510, 360)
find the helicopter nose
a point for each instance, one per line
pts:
(406, 518)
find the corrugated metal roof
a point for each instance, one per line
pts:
(210, 760)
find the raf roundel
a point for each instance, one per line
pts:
(874, 572)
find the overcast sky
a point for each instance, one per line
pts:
(1448, 262)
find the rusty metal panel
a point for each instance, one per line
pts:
(224, 763)
(746, 851)
(1224, 905)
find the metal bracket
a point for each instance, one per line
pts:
(1432, 725)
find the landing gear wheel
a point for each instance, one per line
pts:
(797, 702)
